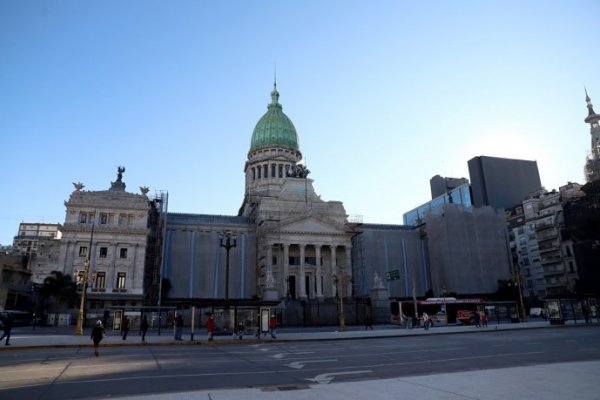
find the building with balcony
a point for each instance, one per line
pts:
(32, 234)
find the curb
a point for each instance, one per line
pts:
(411, 333)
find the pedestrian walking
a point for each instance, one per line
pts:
(125, 327)
(477, 319)
(8, 323)
(273, 326)
(426, 321)
(368, 323)
(97, 335)
(406, 321)
(210, 327)
(144, 327)
(178, 324)
(586, 312)
(484, 318)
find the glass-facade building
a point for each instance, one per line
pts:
(459, 195)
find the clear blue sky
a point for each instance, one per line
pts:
(384, 95)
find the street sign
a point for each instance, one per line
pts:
(393, 275)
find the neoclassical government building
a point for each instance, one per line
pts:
(287, 248)
(289, 243)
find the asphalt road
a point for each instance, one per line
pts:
(68, 373)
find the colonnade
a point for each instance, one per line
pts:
(292, 263)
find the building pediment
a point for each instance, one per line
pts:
(313, 225)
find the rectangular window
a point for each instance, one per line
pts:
(100, 280)
(83, 251)
(103, 218)
(280, 171)
(123, 252)
(274, 260)
(310, 260)
(121, 280)
(103, 252)
(82, 218)
(272, 170)
(122, 219)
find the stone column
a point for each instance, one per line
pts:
(286, 268)
(302, 272)
(333, 270)
(318, 272)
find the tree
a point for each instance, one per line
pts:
(59, 289)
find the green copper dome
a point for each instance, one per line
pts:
(274, 129)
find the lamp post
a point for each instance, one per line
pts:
(445, 308)
(227, 240)
(339, 280)
(86, 272)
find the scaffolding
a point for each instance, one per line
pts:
(157, 224)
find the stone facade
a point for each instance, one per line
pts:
(289, 243)
(110, 228)
(15, 289)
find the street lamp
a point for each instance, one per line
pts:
(227, 240)
(86, 272)
(445, 308)
(80, 316)
(340, 295)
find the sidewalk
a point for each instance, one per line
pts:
(27, 337)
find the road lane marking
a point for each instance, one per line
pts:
(323, 379)
(279, 356)
(301, 364)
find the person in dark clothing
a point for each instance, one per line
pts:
(178, 326)
(144, 327)
(8, 323)
(368, 323)
(125, 327)
(586, 312)
(97, 335)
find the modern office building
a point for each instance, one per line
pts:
(442, 185)
(502, 182)
(460, 194)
